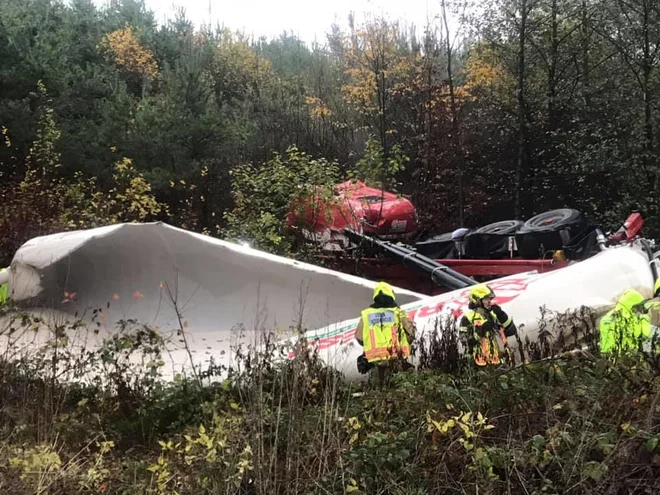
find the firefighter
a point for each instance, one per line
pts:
(384, 331)
(4, 289)
(652, 307)
(627, 325)
(482, 324)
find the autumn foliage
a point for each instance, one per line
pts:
(124, 49)
(517, 108)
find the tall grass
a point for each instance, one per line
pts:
(102, 419)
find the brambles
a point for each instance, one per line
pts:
(102, 420)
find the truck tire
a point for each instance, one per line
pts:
(549, 231)
(491, 241)
(503, 227)
(437, 247)
(554, 220)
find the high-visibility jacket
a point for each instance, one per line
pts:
(652, 308)
(622, 328)
(383, 334)
(482, 327)
(4, 290)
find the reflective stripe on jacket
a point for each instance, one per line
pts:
(483, 327)
(383, 335)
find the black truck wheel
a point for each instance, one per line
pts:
(437, 247)
(549, 231)
(554, 220)
(503, 227)
(492, 240)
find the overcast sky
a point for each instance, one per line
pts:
(309, 19)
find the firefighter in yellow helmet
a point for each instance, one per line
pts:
(482, 325)
(385, 331)
(652, 308)
(654, 302)
(4, 289)
(648, 316)
(627, 325)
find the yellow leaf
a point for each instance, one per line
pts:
(123, 47)
(444, 427)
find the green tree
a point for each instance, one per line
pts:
(264, 195)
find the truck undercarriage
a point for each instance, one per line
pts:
(547, 242)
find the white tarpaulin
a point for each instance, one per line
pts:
(139, 271)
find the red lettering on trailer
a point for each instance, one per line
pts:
(427, 311)
(505, 290)
(319, 345)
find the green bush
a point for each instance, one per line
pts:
(264, 195)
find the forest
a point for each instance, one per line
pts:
(487, 113)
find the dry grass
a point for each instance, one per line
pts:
(572, 424)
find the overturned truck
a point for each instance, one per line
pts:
(207, 296)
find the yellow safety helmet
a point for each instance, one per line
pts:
(656, 288)
(385, 289)
(479, 292)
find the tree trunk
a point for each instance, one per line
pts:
(647, 69)
(382, 113)
(552, 68)
(586, 41)
(455, 145)
(522, 165)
